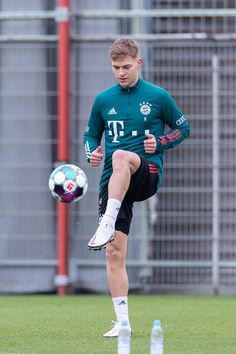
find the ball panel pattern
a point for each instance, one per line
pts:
(68, 183)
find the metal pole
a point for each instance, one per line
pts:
(215, 174)
(102, 14)
(27, 15)
(61, 279)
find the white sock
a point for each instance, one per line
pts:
(112, 210)
(121, 308)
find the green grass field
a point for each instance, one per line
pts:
(75, 324)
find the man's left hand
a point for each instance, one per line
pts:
(150, 144)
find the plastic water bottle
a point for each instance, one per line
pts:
(124, 338)
(157, 344)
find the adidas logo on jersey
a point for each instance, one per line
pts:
(112, 111)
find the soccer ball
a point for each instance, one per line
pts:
(68, 183)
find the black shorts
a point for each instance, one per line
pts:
(143, 185)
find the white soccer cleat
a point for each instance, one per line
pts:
(104, 234)
(114, 331)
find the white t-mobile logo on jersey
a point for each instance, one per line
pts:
(117, 129)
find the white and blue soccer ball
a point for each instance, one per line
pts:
(68, 183)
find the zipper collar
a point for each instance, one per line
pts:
(130, 89)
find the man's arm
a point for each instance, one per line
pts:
(174, 118)
(94, 130)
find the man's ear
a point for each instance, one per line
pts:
(140, 62)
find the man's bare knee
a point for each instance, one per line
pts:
(122, 159)
(120, 156)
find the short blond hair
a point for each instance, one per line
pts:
(124, 47)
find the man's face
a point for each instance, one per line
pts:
(126, 70)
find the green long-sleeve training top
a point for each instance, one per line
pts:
(126, 115)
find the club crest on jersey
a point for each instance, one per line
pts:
(145, 108)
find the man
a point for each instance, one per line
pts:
(132, 114)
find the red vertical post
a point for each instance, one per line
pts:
(63, 138)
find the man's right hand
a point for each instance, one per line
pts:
(96, 157)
